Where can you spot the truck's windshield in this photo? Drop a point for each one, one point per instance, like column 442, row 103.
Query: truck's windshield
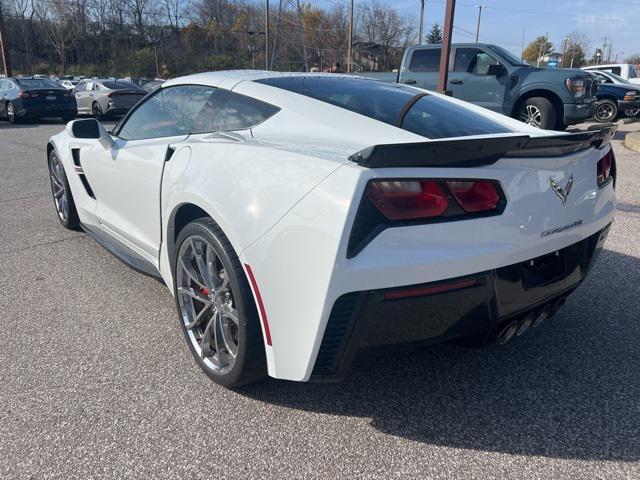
column 508, row 56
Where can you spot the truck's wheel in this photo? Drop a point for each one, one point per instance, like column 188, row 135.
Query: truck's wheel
column 538, row 112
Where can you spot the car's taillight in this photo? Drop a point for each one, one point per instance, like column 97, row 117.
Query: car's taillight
column 475, row 196
column 407, row 199
column 24, row 95
column 414, row 201
column 604, row 168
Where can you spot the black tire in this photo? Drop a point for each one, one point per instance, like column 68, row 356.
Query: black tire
column 10, row 110
column 70, row 220
column 97, row 112
column 250, row 361
column 539, row 112
column 606, row 111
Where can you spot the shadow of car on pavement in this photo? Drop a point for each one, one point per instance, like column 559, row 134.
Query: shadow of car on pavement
column 567, row 389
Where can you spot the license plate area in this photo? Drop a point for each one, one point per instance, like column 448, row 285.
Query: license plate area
column 544, row 270
column 51, row 98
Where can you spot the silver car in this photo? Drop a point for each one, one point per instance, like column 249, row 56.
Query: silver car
column 102, row 98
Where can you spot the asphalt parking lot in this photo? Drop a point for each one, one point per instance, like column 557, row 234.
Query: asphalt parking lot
column 96, row 380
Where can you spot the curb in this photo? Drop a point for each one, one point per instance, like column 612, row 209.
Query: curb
column 632, row 141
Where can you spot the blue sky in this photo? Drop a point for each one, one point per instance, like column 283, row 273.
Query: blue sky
column 503, row 21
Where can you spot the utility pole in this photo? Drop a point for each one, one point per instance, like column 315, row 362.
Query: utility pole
column 266, row 34
column 350, row 49
column 564, row 51
column 522, row 53
column 542, row 46
column 604, row 49
column 609, row 54
column 421, row 22
column 446, row 46
column 3, row 47
column 479, row 7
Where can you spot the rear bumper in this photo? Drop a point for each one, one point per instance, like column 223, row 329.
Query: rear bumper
column 477, row 305
column 31, row 109
column 578, row 112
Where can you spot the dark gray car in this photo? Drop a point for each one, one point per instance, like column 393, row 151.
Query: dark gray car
column 102, row 98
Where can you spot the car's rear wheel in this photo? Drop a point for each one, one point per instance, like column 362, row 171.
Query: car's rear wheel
column 538, row 112
column 62, row 197
column 96, row 109
column 606, row 111
column 12, row 116
column 217, row 311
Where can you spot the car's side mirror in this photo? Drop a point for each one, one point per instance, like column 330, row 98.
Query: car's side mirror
column 89, row 129
column 496, row 70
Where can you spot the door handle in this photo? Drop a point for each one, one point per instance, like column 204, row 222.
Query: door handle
column 456, row 82
column 410, row 81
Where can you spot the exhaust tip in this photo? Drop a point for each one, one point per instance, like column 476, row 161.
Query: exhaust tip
column 526, row 323
column 507, row 333
column 545, row 313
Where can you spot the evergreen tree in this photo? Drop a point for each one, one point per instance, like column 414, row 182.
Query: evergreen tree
column 435, row 35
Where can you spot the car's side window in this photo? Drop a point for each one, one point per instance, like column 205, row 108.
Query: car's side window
column 168, row 112
column 425, row 60
column 225, row 110
column 80, row 87
column 4, row 85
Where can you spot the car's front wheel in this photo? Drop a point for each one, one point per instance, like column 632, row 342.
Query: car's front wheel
column 606, row 111
column 62, row 197
column 217, row 311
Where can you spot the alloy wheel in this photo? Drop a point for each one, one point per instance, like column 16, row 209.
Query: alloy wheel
column 97, row 111
column 56, row 172
column 531, row 115
column 633, row 112
column 207, row 304
column 11, row 113
column 605, row 112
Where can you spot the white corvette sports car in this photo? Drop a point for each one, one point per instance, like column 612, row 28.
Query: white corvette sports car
column 301, row 218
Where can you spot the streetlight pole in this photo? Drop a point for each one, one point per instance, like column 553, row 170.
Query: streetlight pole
column 443, row 76
column 420, row 35
column 479, row 7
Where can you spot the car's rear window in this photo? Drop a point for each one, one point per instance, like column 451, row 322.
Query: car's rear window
column 118, row 85
column 429, row 116
column 37, row 83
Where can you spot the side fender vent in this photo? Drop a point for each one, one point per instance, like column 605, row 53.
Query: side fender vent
column 77, row 166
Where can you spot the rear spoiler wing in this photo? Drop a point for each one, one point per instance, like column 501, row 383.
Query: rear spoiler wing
column 477, row 152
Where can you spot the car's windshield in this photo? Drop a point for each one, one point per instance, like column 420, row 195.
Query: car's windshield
column 419, row 112
column 119, row 85
column 509, row 57
column 618, row 78
column 37, row 83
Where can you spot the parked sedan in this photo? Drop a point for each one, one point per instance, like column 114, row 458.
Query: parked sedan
column 102, row 98
column 31, row 98
column 615, row 98
column 299, row 218
column 612, row 78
